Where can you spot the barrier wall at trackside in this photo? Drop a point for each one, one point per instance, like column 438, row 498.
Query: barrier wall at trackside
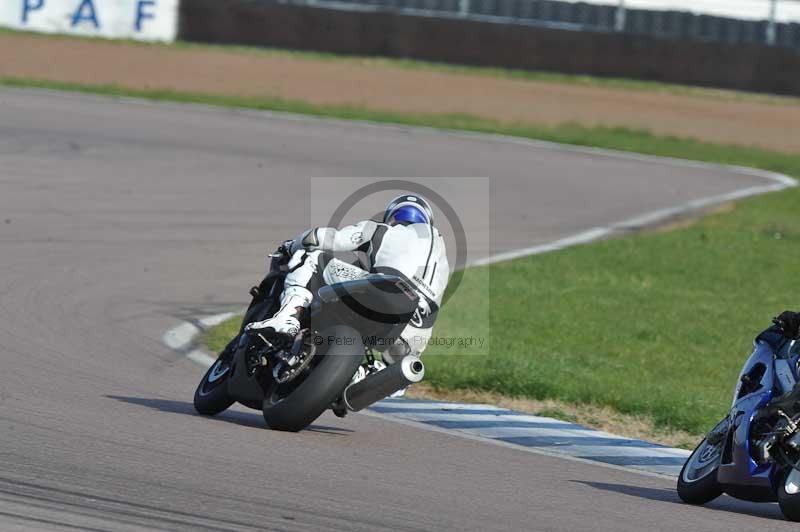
column 746, row 67
column 145, row 20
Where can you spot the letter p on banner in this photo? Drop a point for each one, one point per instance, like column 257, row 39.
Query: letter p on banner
column 28, row 6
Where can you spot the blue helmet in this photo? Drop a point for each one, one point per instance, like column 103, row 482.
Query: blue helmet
column 408, row 209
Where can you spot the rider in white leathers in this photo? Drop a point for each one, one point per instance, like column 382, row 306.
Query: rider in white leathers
column 406, row 243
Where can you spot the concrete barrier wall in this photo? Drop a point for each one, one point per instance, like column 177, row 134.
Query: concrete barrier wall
column 671, row 19
column 745, row 67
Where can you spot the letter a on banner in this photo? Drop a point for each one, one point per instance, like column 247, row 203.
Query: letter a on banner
column 85, row 11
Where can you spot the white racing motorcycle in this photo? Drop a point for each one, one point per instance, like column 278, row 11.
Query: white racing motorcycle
column 294, row 380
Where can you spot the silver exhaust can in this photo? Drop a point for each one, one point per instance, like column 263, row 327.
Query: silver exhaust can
column 383, row 383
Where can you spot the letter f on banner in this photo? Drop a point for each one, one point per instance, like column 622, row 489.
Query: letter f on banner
column 85, row 11
column 141, row 14
column 28, row 6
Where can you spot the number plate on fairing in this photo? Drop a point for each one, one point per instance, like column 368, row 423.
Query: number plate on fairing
column 786, row 378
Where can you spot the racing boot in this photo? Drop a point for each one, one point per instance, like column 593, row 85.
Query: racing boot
column 294, row 300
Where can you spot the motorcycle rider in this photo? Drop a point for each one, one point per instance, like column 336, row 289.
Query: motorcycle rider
column 405, row 243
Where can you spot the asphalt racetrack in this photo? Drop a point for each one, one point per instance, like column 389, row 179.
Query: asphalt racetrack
column 118, row 219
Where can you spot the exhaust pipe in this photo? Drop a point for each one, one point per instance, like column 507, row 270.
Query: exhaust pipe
column 383, row 383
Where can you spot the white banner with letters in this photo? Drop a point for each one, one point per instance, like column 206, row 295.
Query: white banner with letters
column 146, row 20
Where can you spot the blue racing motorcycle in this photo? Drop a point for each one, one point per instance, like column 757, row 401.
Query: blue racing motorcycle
column 754, row 452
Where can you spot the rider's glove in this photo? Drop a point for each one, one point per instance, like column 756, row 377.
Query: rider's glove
column 286, row 248
column 789, row 323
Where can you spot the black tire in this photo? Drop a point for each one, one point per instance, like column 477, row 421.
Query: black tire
column 790, row 502
column 315, row 394
column 694, row 488
column 211, row 396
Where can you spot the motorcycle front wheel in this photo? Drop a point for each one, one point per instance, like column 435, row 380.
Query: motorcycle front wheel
column 697, row 483
column 295, row 410
column 789, row 494
column 211, row 396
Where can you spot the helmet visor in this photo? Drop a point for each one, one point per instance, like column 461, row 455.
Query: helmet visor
column 408, row 214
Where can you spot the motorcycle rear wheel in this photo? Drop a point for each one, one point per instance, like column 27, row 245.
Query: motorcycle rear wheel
column 327, row 380
column 697, row 483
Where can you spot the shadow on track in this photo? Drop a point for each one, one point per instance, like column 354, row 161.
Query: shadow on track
column 229, row 416
column 723, row 504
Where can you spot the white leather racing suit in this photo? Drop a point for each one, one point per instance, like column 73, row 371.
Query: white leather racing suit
column 415, row 251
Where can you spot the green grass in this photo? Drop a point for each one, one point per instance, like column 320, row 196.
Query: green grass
column 217, row 337
column 415, row 64
column 655, row 324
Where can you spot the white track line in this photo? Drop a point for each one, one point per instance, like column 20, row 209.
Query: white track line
column 180, row 337
column 201, row 357
column 779, row 182
column 183, row 337
column 214, row 320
